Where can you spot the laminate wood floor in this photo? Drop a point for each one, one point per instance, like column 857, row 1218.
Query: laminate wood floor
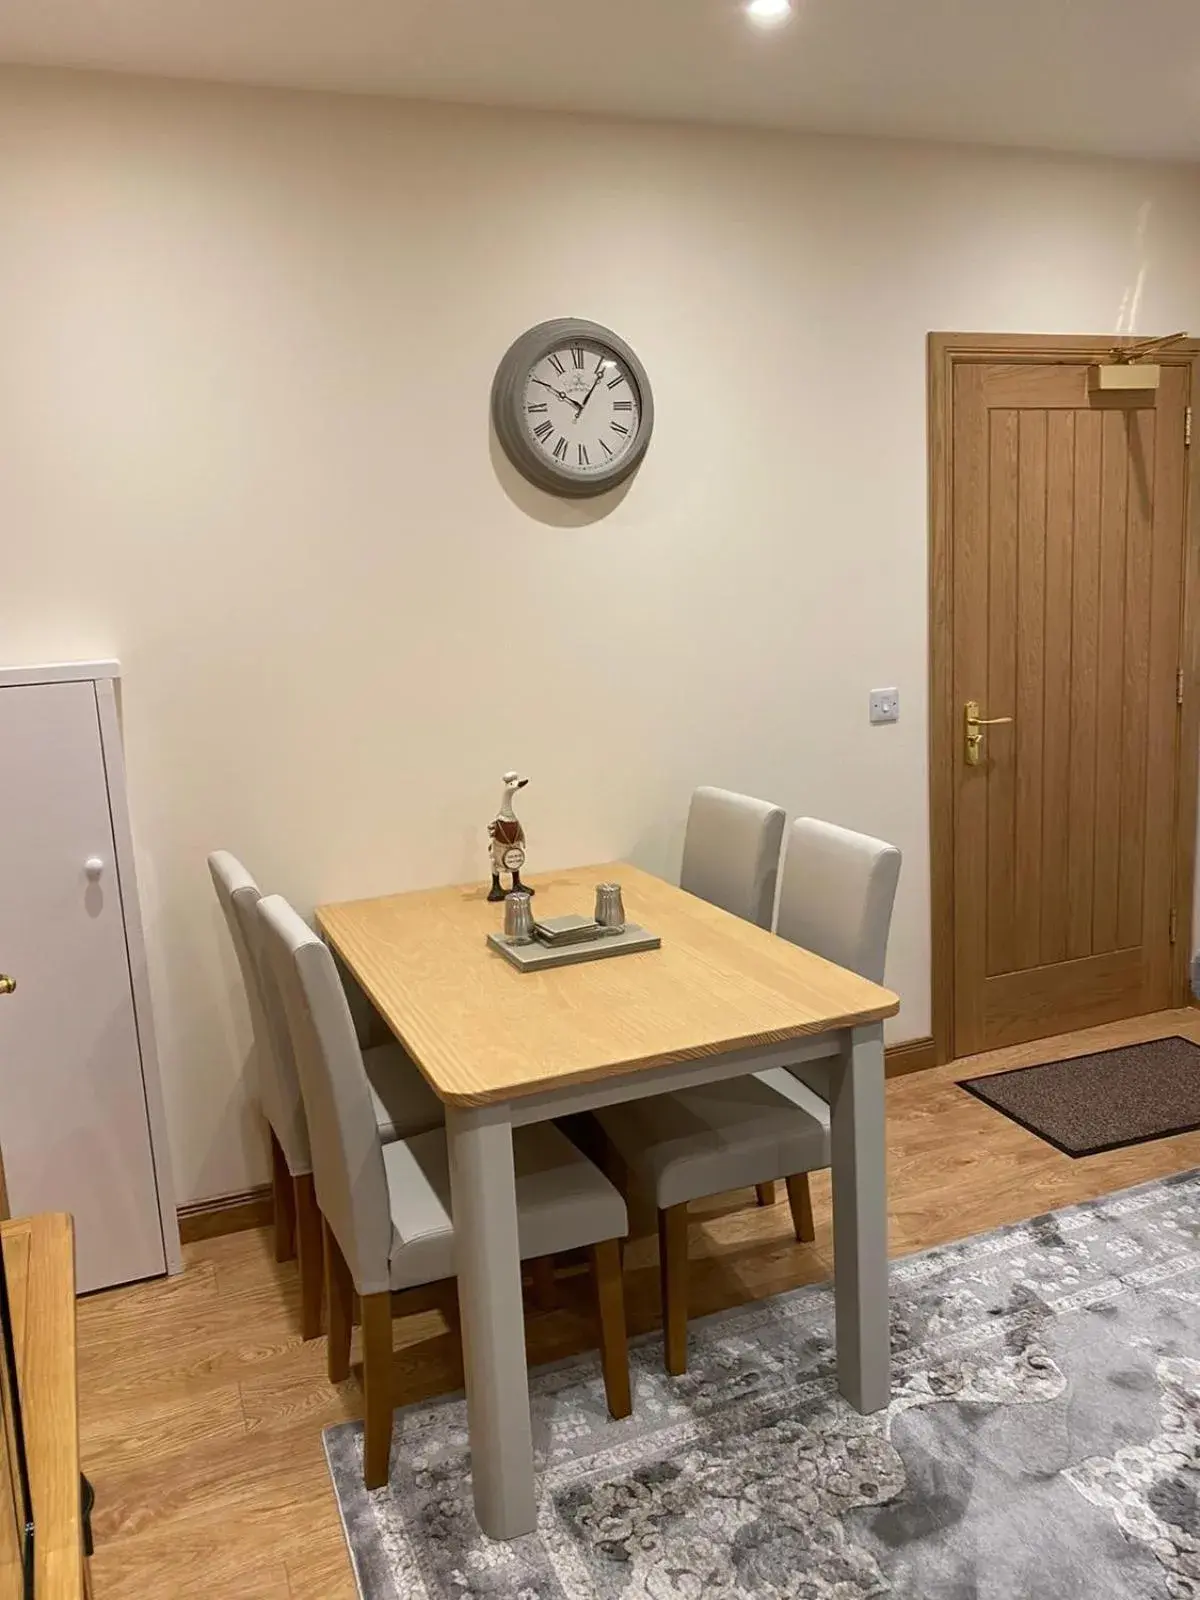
column 202, row 1411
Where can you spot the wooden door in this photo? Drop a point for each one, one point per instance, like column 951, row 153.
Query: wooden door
column 73, row 1114
column 1068, row 520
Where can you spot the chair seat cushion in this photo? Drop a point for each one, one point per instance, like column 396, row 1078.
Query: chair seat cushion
column 404, row 1102
column 722, row 1136
column 563, row 1201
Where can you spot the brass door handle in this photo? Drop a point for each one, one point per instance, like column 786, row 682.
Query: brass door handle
column 975, row 726
column 7, row 984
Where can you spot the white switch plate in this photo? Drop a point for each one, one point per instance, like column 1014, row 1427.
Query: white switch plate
column 885, row 705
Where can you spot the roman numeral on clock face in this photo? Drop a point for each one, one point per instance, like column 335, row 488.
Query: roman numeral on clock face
column 560, row 450
column 543, row 431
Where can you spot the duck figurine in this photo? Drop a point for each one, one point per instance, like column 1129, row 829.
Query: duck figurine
column 507, row 841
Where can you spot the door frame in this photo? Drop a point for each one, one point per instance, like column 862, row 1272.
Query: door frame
column 945, row 352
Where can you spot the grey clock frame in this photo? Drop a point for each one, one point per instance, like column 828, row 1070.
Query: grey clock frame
column 508, row 408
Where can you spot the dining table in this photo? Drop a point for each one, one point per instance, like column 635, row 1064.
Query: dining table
column 503, row 1048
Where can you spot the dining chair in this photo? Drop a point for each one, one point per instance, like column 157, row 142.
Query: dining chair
column 386, row 1208
column 731, row 853
column 403, row 1103
column 731, row 859
column 836, row 899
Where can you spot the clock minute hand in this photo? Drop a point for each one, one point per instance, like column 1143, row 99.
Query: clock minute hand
column 592, row 390
column 559, row 394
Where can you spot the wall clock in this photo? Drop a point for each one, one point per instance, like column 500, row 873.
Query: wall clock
column 572, row 407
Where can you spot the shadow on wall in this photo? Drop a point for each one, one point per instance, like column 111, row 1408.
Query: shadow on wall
column 659, row 849
column 551, row 510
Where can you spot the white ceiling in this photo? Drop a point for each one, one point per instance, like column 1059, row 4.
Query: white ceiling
column 1117, row 76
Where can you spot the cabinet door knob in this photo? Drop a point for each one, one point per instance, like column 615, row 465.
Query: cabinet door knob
column 93, row 866
column 7, row 984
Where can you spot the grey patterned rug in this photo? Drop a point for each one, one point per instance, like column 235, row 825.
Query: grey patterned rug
column 1043, row 1443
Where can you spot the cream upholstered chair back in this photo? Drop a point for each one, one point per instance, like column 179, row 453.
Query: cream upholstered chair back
column 348, row 1169
column 837, row 895
column 731, row 853
column 278, row 1086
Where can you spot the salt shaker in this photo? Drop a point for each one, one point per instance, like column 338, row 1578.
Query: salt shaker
column 518, row 917
column 610, row 908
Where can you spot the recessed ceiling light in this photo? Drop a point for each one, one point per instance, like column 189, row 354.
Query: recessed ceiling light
column 768, row 13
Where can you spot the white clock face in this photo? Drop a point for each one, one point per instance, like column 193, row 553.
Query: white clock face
column 582, row 409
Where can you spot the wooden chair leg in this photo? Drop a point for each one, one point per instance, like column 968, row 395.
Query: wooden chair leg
column 800, row 1200
column 766, row 1194
column 311, row 1253
column 284, row 1203
column 377, row 1388
column 545, row 1289
column 339, row 1298
column 614, row 1338
column 673, row 1263
column 452, row 1311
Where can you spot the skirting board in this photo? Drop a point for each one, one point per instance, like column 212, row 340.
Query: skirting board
column 914, row 1055
column 229, row 1213
column 235, row 1213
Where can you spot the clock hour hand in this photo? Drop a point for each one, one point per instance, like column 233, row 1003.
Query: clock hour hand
column 560, row 395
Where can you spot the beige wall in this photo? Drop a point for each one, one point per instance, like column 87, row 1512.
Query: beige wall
column 246, row 341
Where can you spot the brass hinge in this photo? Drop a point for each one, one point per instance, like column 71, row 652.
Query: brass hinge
column 1187, row 428
column 1174, row 924
column 1178, row 686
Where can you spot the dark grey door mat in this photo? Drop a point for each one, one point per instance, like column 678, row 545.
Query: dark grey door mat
column 1103, row 1101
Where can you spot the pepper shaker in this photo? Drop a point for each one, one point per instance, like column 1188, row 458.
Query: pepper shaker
column 610, row 908
column 518, row 917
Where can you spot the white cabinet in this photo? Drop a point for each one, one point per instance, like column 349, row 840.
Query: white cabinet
column 81, row 1124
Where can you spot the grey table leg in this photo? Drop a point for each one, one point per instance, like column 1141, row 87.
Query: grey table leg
column 489, row 1288
column 860, row 1220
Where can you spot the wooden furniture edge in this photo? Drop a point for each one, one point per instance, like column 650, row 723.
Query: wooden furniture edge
column 238, row 1213
column 47, row 1371
column 672, row 1058
column 943, row 350
column 226, row 1213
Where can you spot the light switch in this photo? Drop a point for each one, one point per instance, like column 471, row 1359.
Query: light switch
column 885, row 705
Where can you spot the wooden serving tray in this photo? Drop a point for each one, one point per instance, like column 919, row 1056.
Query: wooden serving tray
column 539, row 957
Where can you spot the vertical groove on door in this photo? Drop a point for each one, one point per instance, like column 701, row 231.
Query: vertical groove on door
column 1085, row 606
column 1110, row 677
column 969, row 576
column 1139, row 525
column 1026, row 747
column 1056, row 716
column 1004, row 476
column 1162, row 760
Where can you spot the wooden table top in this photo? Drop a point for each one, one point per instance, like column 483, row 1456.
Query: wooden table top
column 39, row 1263
column 482, row 1031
